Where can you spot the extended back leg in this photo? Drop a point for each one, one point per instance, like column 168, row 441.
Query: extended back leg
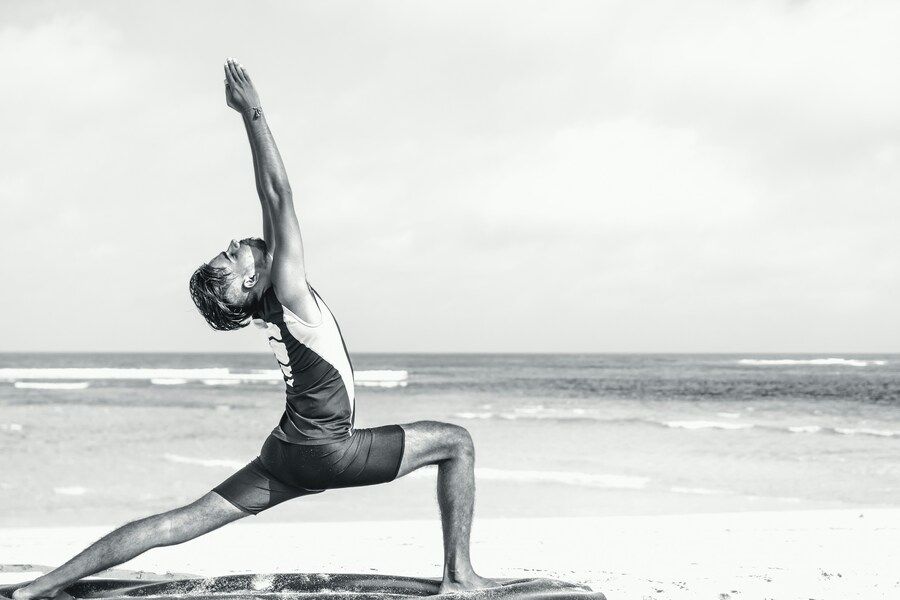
column 165, row 529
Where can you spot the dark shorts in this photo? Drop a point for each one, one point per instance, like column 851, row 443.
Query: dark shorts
column 284, row 471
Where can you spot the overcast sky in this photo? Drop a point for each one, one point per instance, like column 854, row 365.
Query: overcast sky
column 469, row 176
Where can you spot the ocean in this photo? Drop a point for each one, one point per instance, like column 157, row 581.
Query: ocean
column 105, row 438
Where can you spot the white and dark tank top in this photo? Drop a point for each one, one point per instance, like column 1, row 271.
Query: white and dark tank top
column 318, row 375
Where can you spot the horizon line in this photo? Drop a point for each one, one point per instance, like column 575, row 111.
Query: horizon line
column 474, row 352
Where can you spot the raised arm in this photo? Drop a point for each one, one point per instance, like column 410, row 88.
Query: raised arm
column 281, row 229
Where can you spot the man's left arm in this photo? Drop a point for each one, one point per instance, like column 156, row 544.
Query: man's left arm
column 283, row 235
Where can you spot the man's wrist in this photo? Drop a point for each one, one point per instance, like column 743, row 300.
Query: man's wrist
column 252, row 113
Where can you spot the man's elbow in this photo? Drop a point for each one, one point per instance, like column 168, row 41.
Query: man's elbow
column 278, row 194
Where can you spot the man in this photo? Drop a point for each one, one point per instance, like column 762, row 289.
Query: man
column 315, row 446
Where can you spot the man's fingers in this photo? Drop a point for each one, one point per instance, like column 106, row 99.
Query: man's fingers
column 239, row 71
column 244, row 74
column 229, row 78
column 234, row 72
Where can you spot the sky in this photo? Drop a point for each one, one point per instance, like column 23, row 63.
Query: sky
column 699, row 176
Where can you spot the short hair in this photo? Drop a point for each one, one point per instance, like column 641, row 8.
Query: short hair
column 208, row 285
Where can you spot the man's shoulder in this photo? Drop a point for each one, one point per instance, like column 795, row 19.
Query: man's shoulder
column 300, row 304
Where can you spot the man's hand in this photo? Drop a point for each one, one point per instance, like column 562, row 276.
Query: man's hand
column 239, row 91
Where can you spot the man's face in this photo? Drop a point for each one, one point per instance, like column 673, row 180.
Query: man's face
column 240, row 260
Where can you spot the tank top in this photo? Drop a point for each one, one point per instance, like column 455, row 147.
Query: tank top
column 318, row 375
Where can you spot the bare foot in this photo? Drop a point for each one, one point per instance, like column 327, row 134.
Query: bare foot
column 465, row 584
column 23, row 593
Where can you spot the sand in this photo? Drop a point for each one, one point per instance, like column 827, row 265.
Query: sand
column 838, row 554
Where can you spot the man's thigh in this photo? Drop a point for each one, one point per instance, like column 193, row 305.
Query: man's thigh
column 430, row 442
column 254, row 488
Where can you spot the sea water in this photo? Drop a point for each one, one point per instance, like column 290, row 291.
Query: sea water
column 101, row 438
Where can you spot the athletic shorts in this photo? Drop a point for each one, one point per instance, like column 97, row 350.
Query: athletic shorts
column 284, row 471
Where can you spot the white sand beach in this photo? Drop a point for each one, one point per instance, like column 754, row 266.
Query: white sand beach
column 821, row 554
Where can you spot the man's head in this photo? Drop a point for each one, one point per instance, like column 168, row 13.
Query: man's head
column 227, row 289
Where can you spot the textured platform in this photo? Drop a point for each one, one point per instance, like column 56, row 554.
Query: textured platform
column 317, row 586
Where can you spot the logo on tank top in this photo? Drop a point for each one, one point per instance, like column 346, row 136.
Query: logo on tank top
column 281, row 355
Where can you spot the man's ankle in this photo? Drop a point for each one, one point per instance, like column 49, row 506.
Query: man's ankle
column 458, row 573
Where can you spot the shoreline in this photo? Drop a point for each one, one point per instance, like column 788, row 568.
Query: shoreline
column 843, row 553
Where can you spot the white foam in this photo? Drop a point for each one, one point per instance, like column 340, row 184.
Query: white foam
column 529, row 413
column 70, row 491
column 805, row 429
column 379, row 378
column 383, row 384
column 168, row 381
column 698, row 491
column 603, row 480
column 867, row 431
column 262, row 583
column 848, row 362
column 221, row 382
column 10, row 427
column 706, row 425
column 595, row 480
column 51, row 385
column 728, row 415
column 474, row 415
column 205, row 462
column 91, row 373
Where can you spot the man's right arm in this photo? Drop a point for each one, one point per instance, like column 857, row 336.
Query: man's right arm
column 281, row 230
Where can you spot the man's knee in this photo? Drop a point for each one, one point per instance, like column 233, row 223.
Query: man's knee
column 434, row 442
column 460, row 441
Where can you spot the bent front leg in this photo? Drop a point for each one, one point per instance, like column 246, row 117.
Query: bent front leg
column 450, row 447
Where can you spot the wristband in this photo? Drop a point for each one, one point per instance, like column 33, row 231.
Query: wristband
column 255, row 114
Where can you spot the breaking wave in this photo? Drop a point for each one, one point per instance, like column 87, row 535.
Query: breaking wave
column 206, row 462
column 75, row 490
column 381, row 378
column 846, row 362
column 570, row 415
column 168, row 381
column 706, row 425
column 805, row 429
column 593, row 480
column 209, row 376
column 699, row 491
column 867, row 431
column 51, row 385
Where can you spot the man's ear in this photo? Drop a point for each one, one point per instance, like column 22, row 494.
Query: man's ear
column 250, row 281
